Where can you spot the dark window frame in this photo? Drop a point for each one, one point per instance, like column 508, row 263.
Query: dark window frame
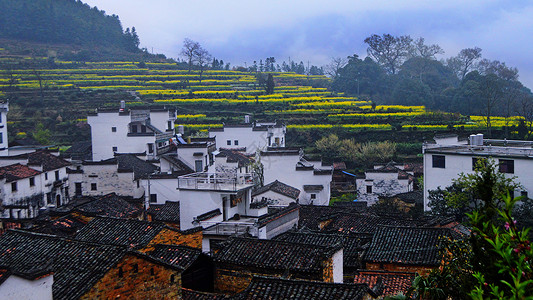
column 94, row 187
column 438, row 161
column 32, row 181
column 113, row 129
column 506, row 166
column 369, row 189
column 14, row 187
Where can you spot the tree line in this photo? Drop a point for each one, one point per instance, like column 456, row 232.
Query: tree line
column 403, row 70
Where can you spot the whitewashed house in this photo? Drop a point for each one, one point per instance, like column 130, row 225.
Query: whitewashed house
column 446, row 158
column 276, row 193
column 36, row 285
column 21, row 192
column 135, row 130
column 4, row 108
column 53, row 178
column 250, row 137
column 120, row 175
column 289, row 166
column 383, row 181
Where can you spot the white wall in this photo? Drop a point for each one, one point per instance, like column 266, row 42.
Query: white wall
column 3, row 128
column 187, row 154
column 274, row 198
column 197, row 202
column 24, row 190
column 246, row 137
column 338, row 270
column 283, row 168
column 383, row 184
column 456, row 164
column 107, row 180
column 16, row 287
column 166, row 189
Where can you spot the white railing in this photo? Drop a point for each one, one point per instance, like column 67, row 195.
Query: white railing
column 217, row 181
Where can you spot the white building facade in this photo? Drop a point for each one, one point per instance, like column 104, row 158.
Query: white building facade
column 250, row 137
column 4, row 108
column 137, row 130
column 444, row 162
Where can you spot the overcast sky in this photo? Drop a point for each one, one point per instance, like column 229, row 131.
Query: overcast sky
column 306, row 30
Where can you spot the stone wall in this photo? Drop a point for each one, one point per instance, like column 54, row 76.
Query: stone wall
column 137, row 278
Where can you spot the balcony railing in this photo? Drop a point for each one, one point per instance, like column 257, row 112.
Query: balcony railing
column 230, row 228
column 217, row 181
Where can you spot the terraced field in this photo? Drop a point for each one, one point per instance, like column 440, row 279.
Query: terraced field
column 210, row 98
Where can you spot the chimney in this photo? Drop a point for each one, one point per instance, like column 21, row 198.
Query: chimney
column 122, row 105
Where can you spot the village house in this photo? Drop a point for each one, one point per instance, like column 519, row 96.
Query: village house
column 84, row 270
column 243, row 258
column 276, row 193
column 281, row 288
column 289, row 166
column 250, row 137
column 120, row 174
column 448, row 156
column 405, row 249
column 135, row 130
column 4, row 108
column 21, row 192
column 383, row 181
column 35, row 284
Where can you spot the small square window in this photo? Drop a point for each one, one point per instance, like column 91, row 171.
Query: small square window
column 32, row 181
column 369, row 189
column 93, row 187
column 153, row 198
column 14, row 186
column 113, row 129
column 236, row 142
column 506, row 166
column 439, row 161
column 228, row 142
column 313, row 196
column 115, row 149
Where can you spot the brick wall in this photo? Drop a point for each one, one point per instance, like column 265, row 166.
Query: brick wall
column 169, row 236
column 422, row 270
column 327, row 270
column 137, row 278
column 232, row 281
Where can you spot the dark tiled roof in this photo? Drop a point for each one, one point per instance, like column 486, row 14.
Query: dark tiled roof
column 48, row 161
column 196, row 295
column 339, row 166
column 131, row 163
column 17, row 172
column 362, row 223
column 278, row 187
column 168, row 212
column 278, row 213
column 233, row 156
column 390, row 283
column 357, row 205
column 111, row 231
column 183, row 168
column 273, row 254
column 109, row 205
column 180, row 256
column 406, row 245
column 281, row 289
column 77, row 266
column 310, row 215
column 208, row 215
column 66, row 226
column 27, row 141
column 79, row 151
column 313, row 187
column 409, row 197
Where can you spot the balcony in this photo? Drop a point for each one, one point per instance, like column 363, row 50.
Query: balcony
column 229, row 228
column 232, row 182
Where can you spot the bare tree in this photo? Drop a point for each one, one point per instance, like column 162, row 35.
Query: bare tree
column 202, row 59
column 420, row 49
column 525, row 110
column 389, row 51
column 491, row 91
column 498, row 68
column 334, row 67
column 189, row 50
column 464, row 62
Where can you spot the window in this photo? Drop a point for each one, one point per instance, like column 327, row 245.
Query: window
column 369, row 189
column 133, row 128
column 150, row 148
column 45, row 176
column 478, row 161
column 49, row 198
column 14, row 186
column 228, row 142
column 153, row 198
column 57, row 175
column 32, row 181
column 439, row 161
column 138, row 184
column 313, row 196
column 93, row 187
column 115, row 149
column 507, row 166
column 143, row 129
column 77, row 188
column 113, row 129
column 169, row 125
column 198, row 165
column 1, row 138
column 236, row 142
